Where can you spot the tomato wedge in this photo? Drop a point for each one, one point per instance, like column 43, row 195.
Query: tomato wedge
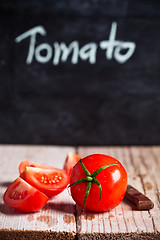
column 70, row 162
column 22, row 196
column 49, row 181
column 27, row 163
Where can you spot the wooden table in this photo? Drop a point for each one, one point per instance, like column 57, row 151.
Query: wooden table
column 61, row 218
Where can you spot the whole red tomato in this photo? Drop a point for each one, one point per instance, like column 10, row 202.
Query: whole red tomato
column 98, row 182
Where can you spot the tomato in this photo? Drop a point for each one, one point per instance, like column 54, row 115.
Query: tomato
column 27, row 163
column 70, row 162
column 98, row 182
column 49, row 181
column 22, row 196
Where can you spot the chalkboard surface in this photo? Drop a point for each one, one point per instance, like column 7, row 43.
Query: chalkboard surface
column 80, row 72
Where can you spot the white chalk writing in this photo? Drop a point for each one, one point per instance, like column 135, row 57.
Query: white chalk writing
column 60, row 52
column 112, row 44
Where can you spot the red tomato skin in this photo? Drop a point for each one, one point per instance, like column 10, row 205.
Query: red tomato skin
column 34, row 175
column 27, row 163
column 113, row 181
column 70, row 162
column 33, row 201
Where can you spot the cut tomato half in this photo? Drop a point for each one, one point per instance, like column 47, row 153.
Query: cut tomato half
column 24, row 197
column 70, row 162
column 49, row 181
column 27, row 163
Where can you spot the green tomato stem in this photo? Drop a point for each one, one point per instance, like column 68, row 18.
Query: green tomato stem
column 89, row 184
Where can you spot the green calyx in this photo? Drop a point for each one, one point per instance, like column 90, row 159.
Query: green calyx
column 90, row 179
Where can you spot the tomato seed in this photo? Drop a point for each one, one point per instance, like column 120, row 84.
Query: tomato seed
column 51, row 179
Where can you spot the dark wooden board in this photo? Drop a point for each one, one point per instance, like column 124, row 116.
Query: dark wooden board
column 107, row 102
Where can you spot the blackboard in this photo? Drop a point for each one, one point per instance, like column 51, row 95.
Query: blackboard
column 80, row 72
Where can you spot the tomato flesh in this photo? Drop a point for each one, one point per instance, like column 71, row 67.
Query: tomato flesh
column 22, row 196
column 113, row 181
column 70, row 162
column 27, row 163
column 49, row 181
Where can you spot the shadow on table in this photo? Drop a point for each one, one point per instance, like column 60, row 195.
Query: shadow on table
column 60, row 207
column 5, row 184
column 10, row 211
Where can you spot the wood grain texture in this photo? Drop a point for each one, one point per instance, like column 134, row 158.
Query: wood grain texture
column 62, row 219
column 56, row 219
column 125, row 221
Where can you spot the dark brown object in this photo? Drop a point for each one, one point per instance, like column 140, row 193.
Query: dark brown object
column 140, row 200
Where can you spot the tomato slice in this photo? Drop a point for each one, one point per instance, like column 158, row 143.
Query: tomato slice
column 27, row 163
column 22, row 196
column 70, row 162
column 49, row 181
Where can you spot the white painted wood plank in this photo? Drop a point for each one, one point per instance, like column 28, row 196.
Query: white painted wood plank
column 124, row 218
column 58, row 215
column 140, row 218
column 150, row 173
